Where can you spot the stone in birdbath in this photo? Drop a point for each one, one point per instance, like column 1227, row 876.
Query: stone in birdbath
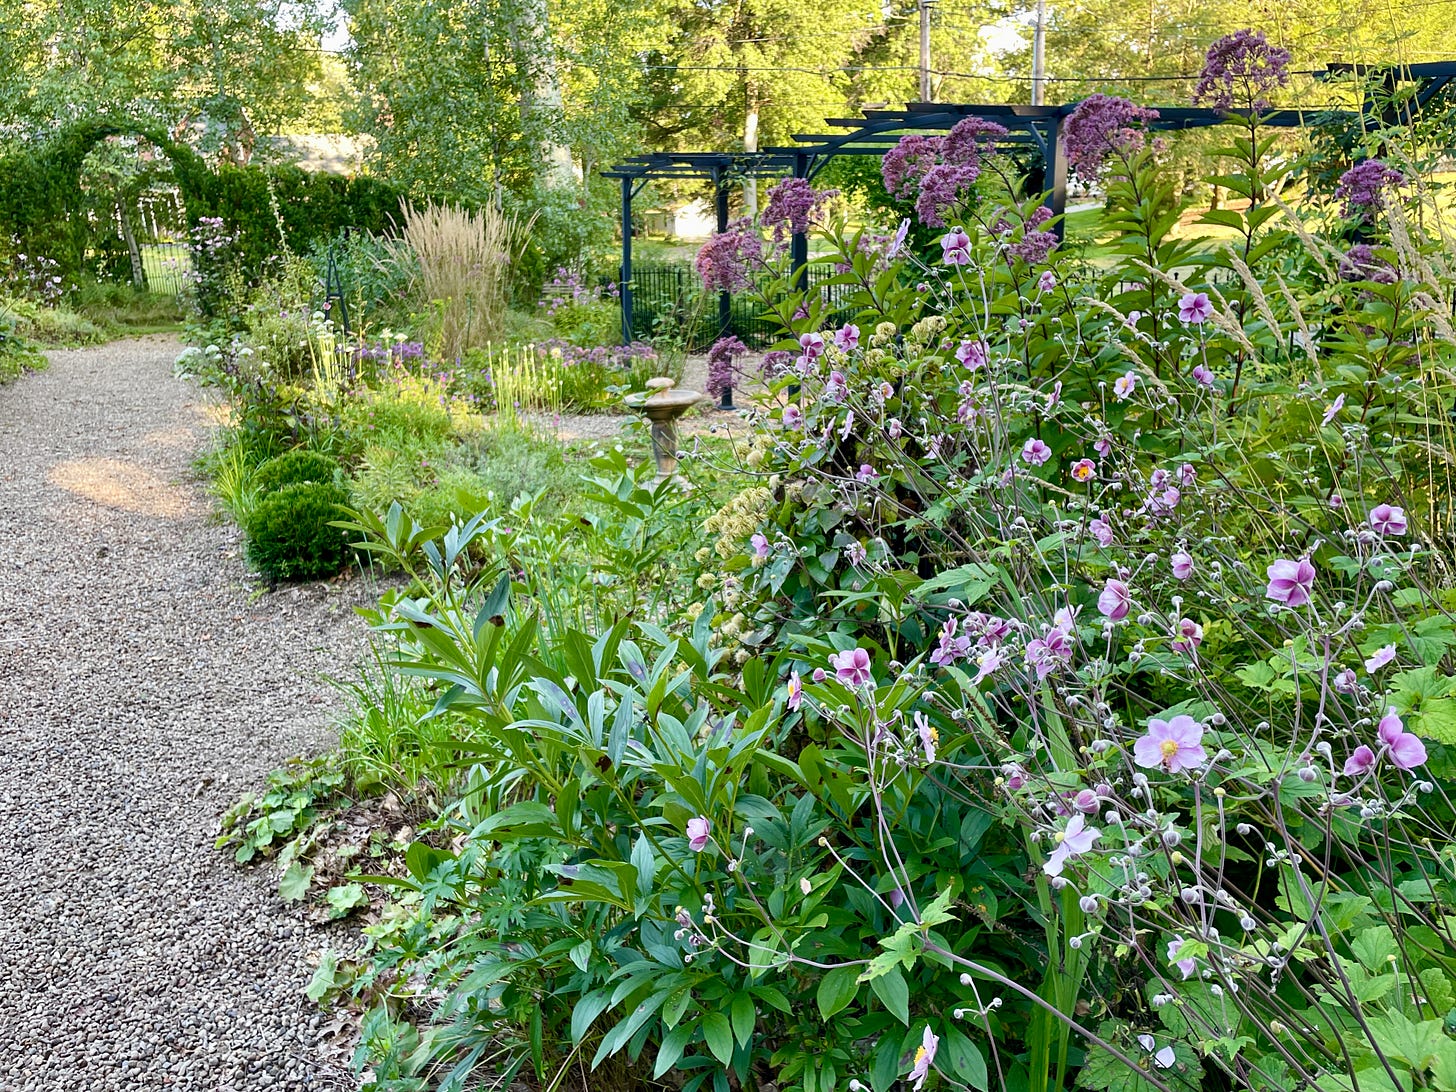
column 662, row 406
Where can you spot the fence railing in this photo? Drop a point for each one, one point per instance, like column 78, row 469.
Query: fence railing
column 669, row 300
column 165, row 266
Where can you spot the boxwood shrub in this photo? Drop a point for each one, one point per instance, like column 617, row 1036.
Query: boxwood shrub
column 293, row 468
column 289, row 532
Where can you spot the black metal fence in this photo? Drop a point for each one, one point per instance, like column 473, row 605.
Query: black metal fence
column 669, row 301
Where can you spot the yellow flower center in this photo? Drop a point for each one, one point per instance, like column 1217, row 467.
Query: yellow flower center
column 1169, row 747
column 919, row 1055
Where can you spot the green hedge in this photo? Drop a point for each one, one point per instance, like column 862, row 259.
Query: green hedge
column 42, row 206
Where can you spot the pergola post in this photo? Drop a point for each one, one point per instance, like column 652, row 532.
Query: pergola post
column 624, row 281
column 799, row 244
column 720, row 205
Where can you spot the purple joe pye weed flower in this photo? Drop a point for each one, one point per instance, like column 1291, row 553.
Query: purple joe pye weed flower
column 793, row 205
column 1100, row 127
column 1365, row 188
column 1240, row 71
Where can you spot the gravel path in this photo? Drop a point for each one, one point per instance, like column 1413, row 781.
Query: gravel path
column 144, row 684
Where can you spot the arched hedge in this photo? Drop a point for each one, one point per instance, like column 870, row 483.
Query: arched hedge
column 42, row 205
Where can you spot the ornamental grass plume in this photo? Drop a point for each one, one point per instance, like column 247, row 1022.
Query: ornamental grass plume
column 465, row 260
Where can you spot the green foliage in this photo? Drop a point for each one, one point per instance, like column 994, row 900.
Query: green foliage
column 294, row 799
column 289, row 531
column 293, row 468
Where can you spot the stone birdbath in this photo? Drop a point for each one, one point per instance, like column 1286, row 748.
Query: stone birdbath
column 662, row 404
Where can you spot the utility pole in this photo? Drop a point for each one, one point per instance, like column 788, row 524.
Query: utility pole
column 1038, row 57
column 924, row 7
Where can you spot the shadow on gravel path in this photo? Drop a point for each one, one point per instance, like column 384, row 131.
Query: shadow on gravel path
column 142, row 688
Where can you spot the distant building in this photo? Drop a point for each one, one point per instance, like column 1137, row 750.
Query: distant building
column 322, row 153
column 685, row 220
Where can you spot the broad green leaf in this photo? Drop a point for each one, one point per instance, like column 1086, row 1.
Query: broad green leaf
column 718, row 1034
column 837, row 990
column 294, row 885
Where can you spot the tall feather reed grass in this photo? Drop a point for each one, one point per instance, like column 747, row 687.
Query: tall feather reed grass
column 465, row 261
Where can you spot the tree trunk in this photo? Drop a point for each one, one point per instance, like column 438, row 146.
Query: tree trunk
column 138, row 271
column 750, row 144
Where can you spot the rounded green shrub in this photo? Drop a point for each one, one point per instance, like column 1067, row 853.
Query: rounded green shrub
column 293, row 468
column 289, row 537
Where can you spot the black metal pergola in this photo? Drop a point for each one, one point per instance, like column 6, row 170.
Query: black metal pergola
column 1035, row 128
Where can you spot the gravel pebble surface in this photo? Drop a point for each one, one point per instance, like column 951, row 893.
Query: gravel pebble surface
column 145, row 683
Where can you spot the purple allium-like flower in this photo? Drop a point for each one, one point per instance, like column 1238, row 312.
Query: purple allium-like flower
column 1379, row 658
column 1187, row 637
column 1386, row 519
column 924, row 1058
column 1175, row 745
column 699, row 829
column 852, row 667
column 1182, row 563
column 1100, row 126
column 1124, row 386
column 1290, row 582
column 727, row 259
column 972, row 354
column 793, row 204
column 720, row 363
column 1240, row 71
column 1361, row 263
column 1115, row 601
column 1187, row 966
column 1333, row 409
column 796, row 692
column 1194, row 308
column 1072, row 842
column 846, row 337
column 1361, row 761
column 1363, row 187
column 955, row 247
column 944, row 186
column 1035, row 452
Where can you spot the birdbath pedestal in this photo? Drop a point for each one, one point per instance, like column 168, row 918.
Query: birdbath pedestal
column 662, row 405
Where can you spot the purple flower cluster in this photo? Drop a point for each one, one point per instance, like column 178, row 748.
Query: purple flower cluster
column 1101, row 126
column 794, row 204
column 394, row 352
column 1241, row 70
column 941, row 169
column 727, row 260
column 1360, row 263
column 720, row 364
column 1363, row 187
column 618, row 357
column 1035, row 245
